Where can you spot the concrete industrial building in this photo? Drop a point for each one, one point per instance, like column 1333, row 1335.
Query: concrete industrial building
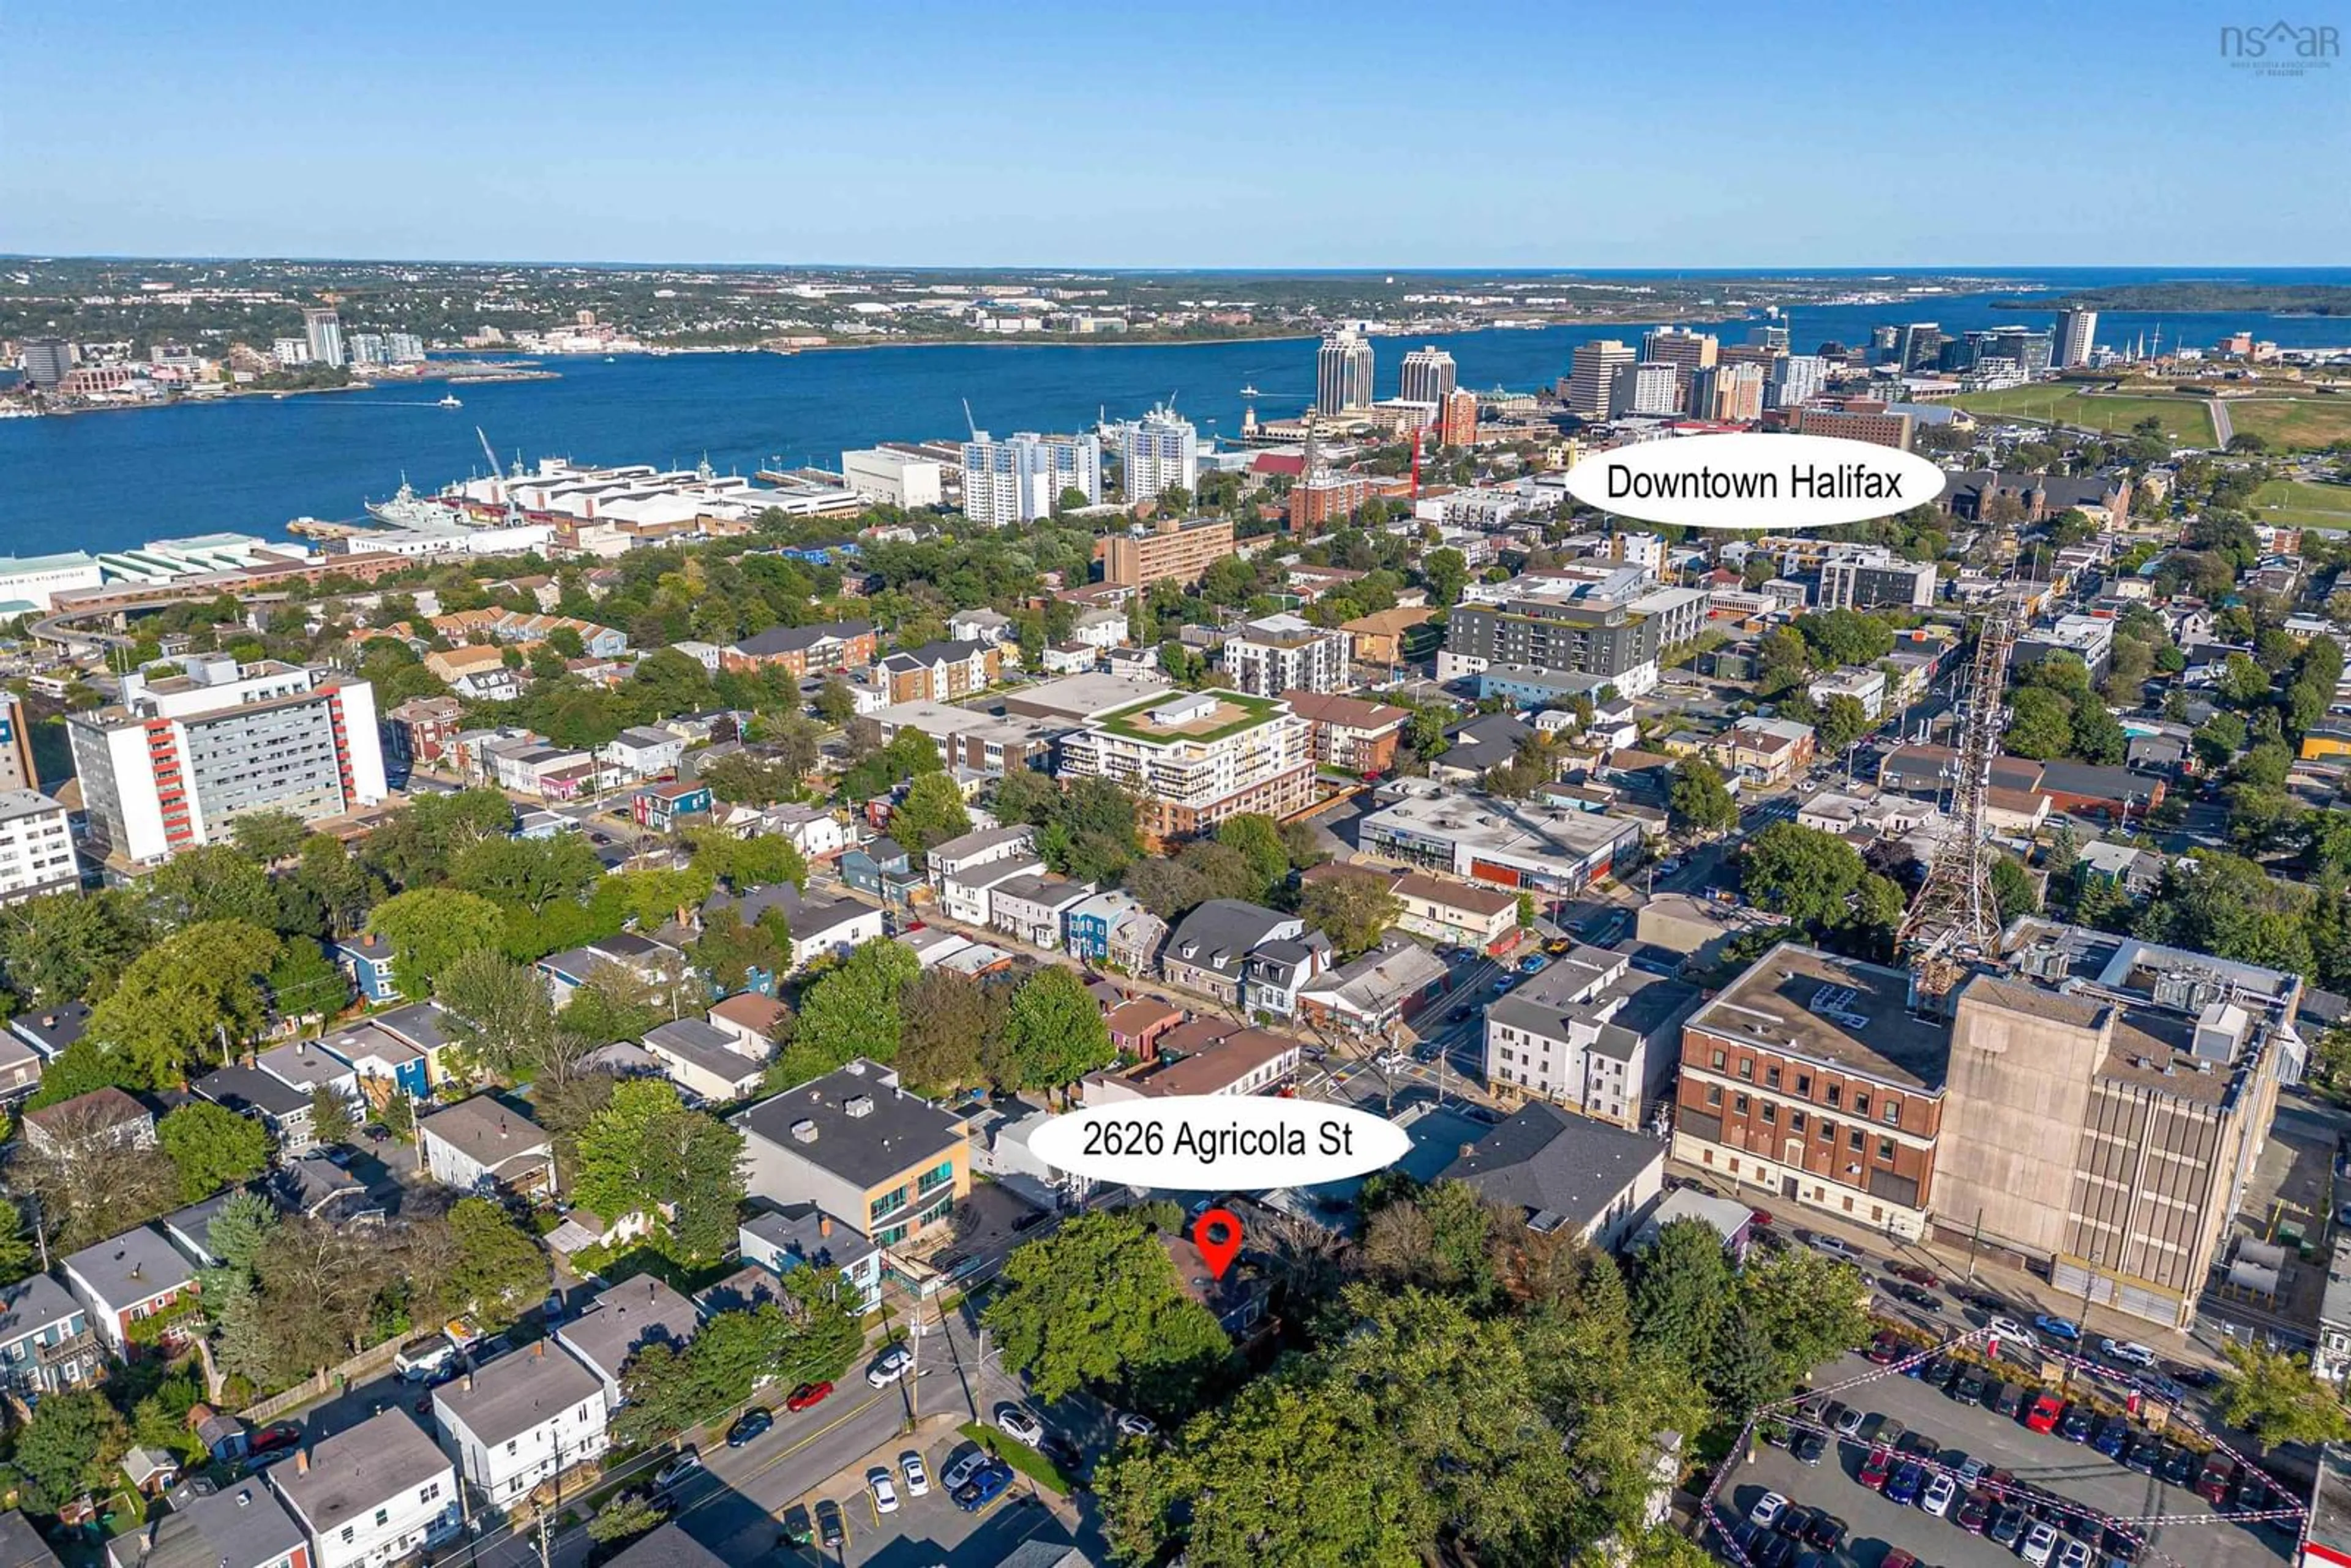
column 903, row 479
column 1197, row 758
column 180, row 757
column 1553, row 853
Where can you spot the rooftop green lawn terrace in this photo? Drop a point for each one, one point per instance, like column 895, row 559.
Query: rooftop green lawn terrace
column 1256, row 711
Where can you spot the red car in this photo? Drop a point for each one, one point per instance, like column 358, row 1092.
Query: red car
column 1760, row 1216
column 1898, row 1558
column 2044, row 1414
column 269, row 1439
column 1875, row 1469
column 1885, row 1350
column 1915, row 1275
column 807, row 1394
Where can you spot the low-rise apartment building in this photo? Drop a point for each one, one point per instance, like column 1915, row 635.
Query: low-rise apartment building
column 1197, row 758
column 1591, row 1033
column 1285, row 653
column 1764, row 750
column 1811, row 1079
column 940, row 672
column 372, row 1494
column 521, row 1419
column 857, row 1144
column 1347, row 733
column 805, row 650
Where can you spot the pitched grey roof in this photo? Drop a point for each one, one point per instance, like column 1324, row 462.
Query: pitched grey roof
column 133, row 1266
column 626, row 1317
column 893, row 1131
column 1562, row 1169
column 21, row 1545
column 704, row 1045
column 192, row 1226
column 50, row 1030
column 32, row 1304
column 246, row 1090
column 356, row 1470
column 487, row 1129
column 667, row 1547
column 420, row 1023
column 1221, row 934
column 799, row 1228
column 504, row 1398
column 242, row 1525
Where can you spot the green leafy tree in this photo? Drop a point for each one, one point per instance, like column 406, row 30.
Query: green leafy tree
column 952, row 1022
column 932, row 814
column 65, row 946
column 1099, row 1304
column 1842, row 720
column 331, row 1121
column 2273, row 1395
column 1800, row 871
column 1256, row 839
column 2041, row 724
column 305, row 983
column 622, row 1520
column 1354, row 911
column 71, row 1446
column 2012, row 887
column 211, row 1147
column 179, row 1001
column 213, row 882
column 526, row 873
column 760, row 860
column 1053, row 1034
column 855, row 1010
column 645, row 1151
column 1683, row 1292
column 497, row 1270
column 1699, row 800
column 267, row 837
column 1806, row 1305
column 430, row 928
column 1446, row 572
column 1743, row 1368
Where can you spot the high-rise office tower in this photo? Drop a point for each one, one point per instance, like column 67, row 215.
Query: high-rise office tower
column 1732, row 394
column 1592, row 376
column 1342, row 371
column 1427, row 376
column 324, row 331
column 1156, row 451
column 1882, row 340
column 2075, row 335
column 1689, row 352
column 1920, row 343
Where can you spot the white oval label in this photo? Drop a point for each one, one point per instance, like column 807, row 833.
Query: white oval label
column 1219, row 1143
column 1753, row 480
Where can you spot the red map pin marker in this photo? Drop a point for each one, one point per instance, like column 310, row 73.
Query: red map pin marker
column 1217, row 1234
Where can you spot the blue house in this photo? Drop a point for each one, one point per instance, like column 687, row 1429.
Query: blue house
column 45, row 1344
column 366, row 959
column 659, row 806
column 783, row 1239
column 377, row 1054
column 882, row 871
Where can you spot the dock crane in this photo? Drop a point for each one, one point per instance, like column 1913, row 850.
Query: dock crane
column 503, row 492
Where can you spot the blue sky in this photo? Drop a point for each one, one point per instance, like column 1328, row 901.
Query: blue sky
column 1209, row 134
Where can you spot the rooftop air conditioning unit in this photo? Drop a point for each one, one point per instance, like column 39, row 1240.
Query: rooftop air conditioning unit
column 862, row 1105
column 804, row 1131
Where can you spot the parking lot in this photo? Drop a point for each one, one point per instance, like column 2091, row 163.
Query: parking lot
column 929, row 1529
column 2073, row 1473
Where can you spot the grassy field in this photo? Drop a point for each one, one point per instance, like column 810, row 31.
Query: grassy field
column 2300, row 504
column 2287, row 422
column 2185, row 420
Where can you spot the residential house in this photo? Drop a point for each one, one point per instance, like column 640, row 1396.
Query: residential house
column 882, row 870
column 109, row 1114
column 22, row 1546
column 1210, row 948
column 1460, row 912
column 1112, row 928
column 818, row 926
column 521, row 1419
column 940, row 672
column 242, row 1525
column 1481, row 744
column 1349, row 734
column 750, row 1022
column 366, row 959
column 134, row 1276
column 973, row 850
column 814, row 830
column 372, row 1494
column 666, row 1546
column 661, row 807
column 1370, row 996
column 51, row 1029
column 621, row 1321
column 274, row 1103
column 307, row 1066
column 703, row 1059
column 20, row 1070
column 970, row 894
column 482, row 1144
column 1135, row 1027
column 2132, row 867
column 1566, row 1173
column 855, row 1144
column 796, row 1235
column 1591, row 1033
column 1206, row 1056
column 190, row 1228
column 1408, row 634
column 1031, row 907
column 805, row 650
column 982, row 625
column 644, row 752
column 1764, row 750
column 46, row 1343
column 645, row 959
column 382, row 1062
column 316, row 1188
column 1238, row 1297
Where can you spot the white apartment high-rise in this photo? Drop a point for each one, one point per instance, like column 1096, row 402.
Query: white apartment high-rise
column 1019, row 479
column 36, row 847
column 1591, row 376
column 1647, row 387
column 323, row 330
column 1795, row 379
column 176, row 761
column 1156, row 452
column 1285, row 653
column 1342, row 371
column 1427, row 376
column 2075, row 334
column 15, row 745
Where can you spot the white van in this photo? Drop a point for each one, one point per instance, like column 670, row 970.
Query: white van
column 421, row 1358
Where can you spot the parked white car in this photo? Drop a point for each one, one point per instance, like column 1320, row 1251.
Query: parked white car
column 885, row 1495
column 896, row 1362
column 1767, row 1510
column 2128, row 1351
column 1939, row 1496
column 1019, row 1426
column 918, row 1480
column 2039, row 1544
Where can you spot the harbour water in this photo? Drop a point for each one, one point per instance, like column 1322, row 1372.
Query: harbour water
column 111, row 480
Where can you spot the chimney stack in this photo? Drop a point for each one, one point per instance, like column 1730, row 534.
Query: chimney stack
column 539, row 1348
column 824, row 1224
column 302, row 1461
column 469, row 1383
